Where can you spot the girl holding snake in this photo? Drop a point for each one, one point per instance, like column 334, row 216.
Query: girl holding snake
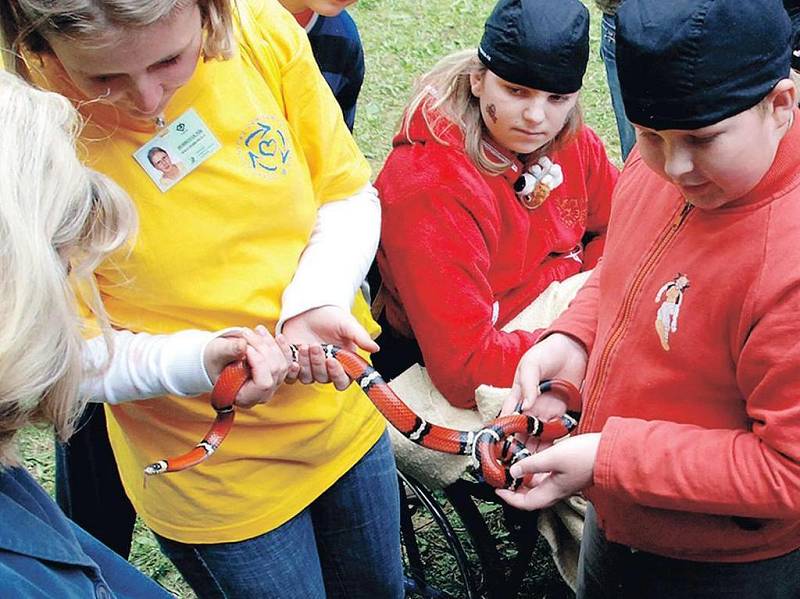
column 271, row 225
column 494, row 190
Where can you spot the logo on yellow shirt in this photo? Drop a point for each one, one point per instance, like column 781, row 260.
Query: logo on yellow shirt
column 265, row 147
column 667, row 315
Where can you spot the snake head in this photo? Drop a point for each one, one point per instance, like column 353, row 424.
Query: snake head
column 156, row 468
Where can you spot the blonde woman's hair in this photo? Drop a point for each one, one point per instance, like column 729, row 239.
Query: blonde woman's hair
column 54, row 212
column 26, row 24
column 444, row 95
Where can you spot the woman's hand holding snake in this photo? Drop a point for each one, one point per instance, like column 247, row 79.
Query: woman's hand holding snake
column 326, row 324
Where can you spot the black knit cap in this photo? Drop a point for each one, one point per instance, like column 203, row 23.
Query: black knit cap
column 543, row 44
column 793, row 8
column 686, row 64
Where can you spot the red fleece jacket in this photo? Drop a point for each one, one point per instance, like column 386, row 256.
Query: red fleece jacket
column 699, row 455
column 460, row 255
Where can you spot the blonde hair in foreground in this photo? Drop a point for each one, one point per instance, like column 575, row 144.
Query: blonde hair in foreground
column 53, row 212
column 446, row 90
column 26, row 24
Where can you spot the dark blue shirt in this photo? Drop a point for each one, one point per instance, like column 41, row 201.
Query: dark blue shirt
column 340, row 56
column 43, row 554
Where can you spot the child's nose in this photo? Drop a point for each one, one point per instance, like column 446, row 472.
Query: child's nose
column 678, row 162
column 534, row 111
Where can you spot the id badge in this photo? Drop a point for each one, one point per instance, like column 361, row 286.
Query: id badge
column 177, row 150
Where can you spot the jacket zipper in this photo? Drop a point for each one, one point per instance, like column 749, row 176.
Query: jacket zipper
column 627, row 308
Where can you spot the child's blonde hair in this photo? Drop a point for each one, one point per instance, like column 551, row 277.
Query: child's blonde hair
column 54, row 212
column 444, row 95
column 26, row 24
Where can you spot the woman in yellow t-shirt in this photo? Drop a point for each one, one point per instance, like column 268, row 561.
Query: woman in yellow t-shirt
column 274, row 221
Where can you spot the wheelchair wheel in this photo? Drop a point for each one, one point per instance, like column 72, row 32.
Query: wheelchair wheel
column 435, row 559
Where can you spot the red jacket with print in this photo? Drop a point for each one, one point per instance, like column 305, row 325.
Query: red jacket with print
column 460, row 255
column 694, row 372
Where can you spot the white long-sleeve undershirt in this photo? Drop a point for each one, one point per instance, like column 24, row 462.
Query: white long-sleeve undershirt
column 338, row 255
column 330, row 271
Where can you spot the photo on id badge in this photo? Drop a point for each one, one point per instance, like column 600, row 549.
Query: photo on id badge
column 177, row 150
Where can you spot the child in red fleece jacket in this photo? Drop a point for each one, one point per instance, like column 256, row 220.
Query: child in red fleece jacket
column 470, row 235
column 687, row 334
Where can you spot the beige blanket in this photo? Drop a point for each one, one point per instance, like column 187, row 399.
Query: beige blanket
column 560, row 525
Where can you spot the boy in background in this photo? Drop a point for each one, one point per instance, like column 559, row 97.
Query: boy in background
column 336, row 45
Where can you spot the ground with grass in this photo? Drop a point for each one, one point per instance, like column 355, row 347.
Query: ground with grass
column 402, row 39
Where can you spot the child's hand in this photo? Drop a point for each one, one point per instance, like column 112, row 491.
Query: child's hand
column 558, row 472
column 326, row 324
column 557, row 357
column 269, row 359
column 221, row 351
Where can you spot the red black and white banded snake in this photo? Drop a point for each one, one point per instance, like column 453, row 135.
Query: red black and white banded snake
column 494, row 447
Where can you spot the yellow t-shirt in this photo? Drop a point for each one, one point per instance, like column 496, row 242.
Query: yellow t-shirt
column 216, row 250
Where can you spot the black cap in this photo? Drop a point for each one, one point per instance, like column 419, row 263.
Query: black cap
column 686, row 64
column 543, row 44
column 793, row 8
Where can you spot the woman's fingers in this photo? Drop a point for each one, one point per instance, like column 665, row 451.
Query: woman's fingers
column 337, row 375
column 317, row 361
column 354, row 336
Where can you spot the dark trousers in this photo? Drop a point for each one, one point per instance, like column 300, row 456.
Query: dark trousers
column 88, row 487
column 608, row 570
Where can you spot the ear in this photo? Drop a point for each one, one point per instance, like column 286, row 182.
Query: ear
column 782, row 100
column 476, row 83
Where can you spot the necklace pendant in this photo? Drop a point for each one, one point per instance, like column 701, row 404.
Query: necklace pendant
column 533, row 200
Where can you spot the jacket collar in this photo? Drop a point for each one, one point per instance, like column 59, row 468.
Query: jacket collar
column 33, row 525
column 516, row 168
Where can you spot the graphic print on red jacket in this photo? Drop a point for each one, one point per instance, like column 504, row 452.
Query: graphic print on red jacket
column 460, row 255
column 699, row 456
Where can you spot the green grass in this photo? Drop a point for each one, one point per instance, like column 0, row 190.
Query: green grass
column 402, row 39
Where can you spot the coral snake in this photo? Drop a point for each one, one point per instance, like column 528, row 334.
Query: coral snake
column 494, row 448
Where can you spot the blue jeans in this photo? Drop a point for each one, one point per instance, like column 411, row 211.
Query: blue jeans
column 609, row 570
column 608, row 47
column 345, row 544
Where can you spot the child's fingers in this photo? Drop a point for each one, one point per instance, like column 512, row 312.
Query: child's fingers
column 292, row 358
column 529, row 388
column 547, row 407
column 513, row 401
column 540, row 462
column 270, row 364
column 230, row 349
column 285, row 348
column 274, row 357
column 541, row 496
column 292, row 373
column 220, row 352
column 261, row 385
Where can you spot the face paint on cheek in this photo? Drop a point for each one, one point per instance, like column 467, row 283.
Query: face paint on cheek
column 492, row 112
